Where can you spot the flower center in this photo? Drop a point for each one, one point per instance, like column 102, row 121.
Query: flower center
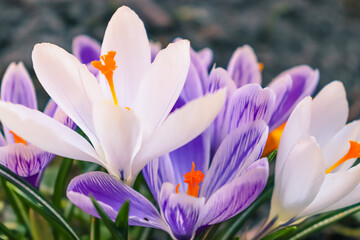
column 108, row 70
column 18, row 139
column 193, row 180
column 273, row 140
column 354, row 152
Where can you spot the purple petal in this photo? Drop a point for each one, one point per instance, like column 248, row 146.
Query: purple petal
column 158, row 171
column 2, row 140
column 304, row 82
column 201, row 69
column 282, row 88
column 206, row 55
column 50, row 108
column 237, row 195
column 239, row 149
column 111, row 193
column 61, row 117
column 180, row 211
column 17, row 87
column 197, row 151
column 193, row 87
column 248, row 104
column 23, row 160
column 155, row 49
column 35, row 179
column 219, row 78
column 86, row 49
column 243, row 67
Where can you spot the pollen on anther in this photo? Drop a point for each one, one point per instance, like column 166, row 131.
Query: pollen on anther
column 261, row 66
column 108, row 69
column 354, row 152
column 18, row 139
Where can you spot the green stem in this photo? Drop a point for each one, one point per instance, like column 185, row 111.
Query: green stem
column 95, row 229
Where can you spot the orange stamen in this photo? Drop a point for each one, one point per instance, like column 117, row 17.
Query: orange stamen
column 273, row 140
column 354, row 152
column 18, row 139
column 108, row 69
column 127, row 108
column 261, row 66
column 193, row 180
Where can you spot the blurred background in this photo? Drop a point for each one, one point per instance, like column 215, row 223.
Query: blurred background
column 321, row 33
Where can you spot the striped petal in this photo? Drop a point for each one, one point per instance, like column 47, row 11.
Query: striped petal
column 111, row 193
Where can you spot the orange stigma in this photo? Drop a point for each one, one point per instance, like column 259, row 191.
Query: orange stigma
column 108, row 69
column 354, row 152
column 193, row 180
column 18, row 139
column 273, row 140
column 261, row 66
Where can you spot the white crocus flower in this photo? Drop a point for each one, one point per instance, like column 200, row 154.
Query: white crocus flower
column 314, row 172
column 126, row 116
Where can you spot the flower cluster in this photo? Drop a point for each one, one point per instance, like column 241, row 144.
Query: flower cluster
column 199, row 136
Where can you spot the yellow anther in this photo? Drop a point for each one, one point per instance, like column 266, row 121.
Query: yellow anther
column 18, row 139
column 108, row 69
column 261, row 66
column 354, row 152
column 193, row 179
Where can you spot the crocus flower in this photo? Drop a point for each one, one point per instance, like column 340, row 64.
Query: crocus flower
column 290, row 87
column 211, row 195
column 126, row 114
column 20, row 156
column 314, row 167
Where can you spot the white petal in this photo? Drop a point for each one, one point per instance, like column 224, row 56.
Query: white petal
column 329, row 112
column 162, row 85
column 339, row 145
column 64, row 78
column 296, row 128
column 335, row 187
column 126, row 35
column 119, row 133
column 348, row 200
column 301, row 178
column 46, row 133
column 180, row 127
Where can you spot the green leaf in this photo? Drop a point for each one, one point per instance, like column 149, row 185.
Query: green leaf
column 271, row 157
column 95, row 229
column 281, row 234
column 40, row 229
column 116, row 234
column 60, row 182
column 16, row 205
column 7, row 232
column 321, row 221
column 32, row 197
column 122, row 219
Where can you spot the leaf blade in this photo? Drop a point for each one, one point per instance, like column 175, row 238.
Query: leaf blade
column 116, row 234
column 32, row 196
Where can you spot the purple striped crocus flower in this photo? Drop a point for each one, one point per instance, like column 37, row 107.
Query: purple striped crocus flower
column 18, row 155
column 290, row 87
column 214, row 189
